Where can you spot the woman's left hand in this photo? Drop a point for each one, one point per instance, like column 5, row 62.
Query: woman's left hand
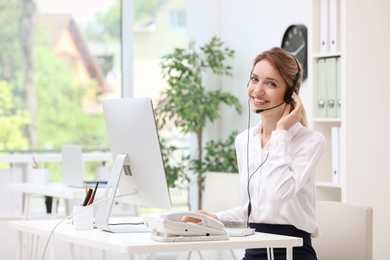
column 288, row 118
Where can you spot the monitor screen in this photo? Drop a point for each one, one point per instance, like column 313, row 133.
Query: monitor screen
column 138, row 173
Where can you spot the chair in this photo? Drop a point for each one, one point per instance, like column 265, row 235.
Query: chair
column 221, row 192
column 345, row 231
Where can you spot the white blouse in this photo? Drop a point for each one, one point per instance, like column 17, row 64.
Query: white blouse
column 282, row 189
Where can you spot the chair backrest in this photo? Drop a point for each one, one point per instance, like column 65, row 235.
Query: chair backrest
column 221, row 191
column 345, row 231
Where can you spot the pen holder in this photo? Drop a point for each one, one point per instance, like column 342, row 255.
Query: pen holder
column 40, row 176
column 83, row 217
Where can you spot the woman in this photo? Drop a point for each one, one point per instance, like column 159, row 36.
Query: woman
column 277, row 159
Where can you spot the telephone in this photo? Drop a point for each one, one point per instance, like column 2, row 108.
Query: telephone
column 170, row 224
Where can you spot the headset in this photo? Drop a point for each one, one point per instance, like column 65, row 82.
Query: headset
column 288, row 96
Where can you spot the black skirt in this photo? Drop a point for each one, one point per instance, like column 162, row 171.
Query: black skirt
column 305, row 252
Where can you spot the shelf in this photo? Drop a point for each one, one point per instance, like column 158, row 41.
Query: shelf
column 328, row 191
column 325, row 76
column 326, row 120
column 326, row 55
column 329, row 185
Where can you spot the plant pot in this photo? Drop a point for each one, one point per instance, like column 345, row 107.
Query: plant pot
column 48, row 203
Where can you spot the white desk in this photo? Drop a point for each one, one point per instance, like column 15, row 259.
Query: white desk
column 52, row 157
column 141, row 243
column 55, row 190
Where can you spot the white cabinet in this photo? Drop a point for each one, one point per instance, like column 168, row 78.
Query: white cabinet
column 362, row 69
column 325, row 61
column 10, row 201
column 365, row 113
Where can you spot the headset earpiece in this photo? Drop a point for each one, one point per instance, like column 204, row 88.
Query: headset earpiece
column 287, row 97
column 249, row 80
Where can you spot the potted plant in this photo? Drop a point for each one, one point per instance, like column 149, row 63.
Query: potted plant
column 189, row 105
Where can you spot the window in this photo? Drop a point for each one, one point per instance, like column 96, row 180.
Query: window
column 177, row 18
column 67, row 56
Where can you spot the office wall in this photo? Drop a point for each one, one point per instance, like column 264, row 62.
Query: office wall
column 248, row 27
column 367, row 56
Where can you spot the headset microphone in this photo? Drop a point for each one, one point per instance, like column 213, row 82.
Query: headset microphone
column 265, row 109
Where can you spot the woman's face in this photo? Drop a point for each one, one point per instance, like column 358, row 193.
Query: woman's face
column 266, row 87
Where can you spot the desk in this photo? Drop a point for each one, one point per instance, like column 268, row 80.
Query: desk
column 25, row 161
column 141, row 243
column 55, row 190
column 52, row 157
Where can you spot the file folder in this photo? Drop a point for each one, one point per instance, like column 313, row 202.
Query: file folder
column 334, row 25
column 331, row 88
column 321, row 106
column 338, row 87
column 324, row 26
column 335, row 135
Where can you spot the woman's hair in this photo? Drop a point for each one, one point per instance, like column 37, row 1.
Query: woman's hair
column 286, row 65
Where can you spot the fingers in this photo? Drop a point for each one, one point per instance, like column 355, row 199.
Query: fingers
column 208, row 214
column 286, row 110
column 288, row 118
column 197, row 220
column 297, row 101
column 296, row 113
column 186, row 219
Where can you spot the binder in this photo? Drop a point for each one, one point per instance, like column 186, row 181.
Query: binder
column 334, row 25
column 331, row 88
column 335, row 135
column 321, row 106
column 324, row 26
column 338, row 88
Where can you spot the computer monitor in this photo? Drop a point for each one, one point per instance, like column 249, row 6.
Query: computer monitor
column 138, row 173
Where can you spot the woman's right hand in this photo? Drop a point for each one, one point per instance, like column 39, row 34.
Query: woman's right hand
column 288, row 118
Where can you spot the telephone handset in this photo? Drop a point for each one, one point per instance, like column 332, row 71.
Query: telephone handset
column 170, row 224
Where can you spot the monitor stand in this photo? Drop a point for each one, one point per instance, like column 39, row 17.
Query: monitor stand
column 104, row 207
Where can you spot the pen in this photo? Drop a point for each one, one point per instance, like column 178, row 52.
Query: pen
column 87, row 197
column 86, row 187
column 93, row 194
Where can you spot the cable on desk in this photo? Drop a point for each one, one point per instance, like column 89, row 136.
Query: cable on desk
column 71, row 215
